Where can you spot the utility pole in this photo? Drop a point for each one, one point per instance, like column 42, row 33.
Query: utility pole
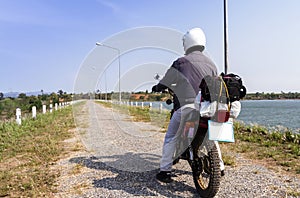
column 225, row 38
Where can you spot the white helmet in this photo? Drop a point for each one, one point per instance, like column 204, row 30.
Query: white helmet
column 194, row 37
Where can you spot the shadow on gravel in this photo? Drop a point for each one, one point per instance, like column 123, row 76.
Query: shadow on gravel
column 135, row 183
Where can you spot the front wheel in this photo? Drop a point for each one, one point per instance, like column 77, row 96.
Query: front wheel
column 206, row 171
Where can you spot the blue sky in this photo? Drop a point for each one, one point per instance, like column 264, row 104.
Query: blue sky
column 44, row 42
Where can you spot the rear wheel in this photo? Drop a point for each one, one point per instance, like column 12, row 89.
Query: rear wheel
column 206, row 172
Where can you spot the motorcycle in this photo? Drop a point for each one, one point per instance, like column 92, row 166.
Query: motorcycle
column 201, row 153
column 205, row 123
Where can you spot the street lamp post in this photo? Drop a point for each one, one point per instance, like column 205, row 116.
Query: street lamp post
column 105, row 85
column 119, row 61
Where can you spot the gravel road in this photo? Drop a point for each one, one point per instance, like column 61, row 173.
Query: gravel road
column 119, row 158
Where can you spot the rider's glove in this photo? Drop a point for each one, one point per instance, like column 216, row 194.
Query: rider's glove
column 155, row 89
column 158, row 88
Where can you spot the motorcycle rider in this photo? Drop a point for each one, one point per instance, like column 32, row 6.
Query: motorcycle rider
column 183, row 78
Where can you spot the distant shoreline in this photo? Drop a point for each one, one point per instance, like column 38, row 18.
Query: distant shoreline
column 273, row 96
column 270, row 99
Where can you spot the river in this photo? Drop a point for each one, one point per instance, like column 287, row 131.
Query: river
column 269, row 113
column 272, row 113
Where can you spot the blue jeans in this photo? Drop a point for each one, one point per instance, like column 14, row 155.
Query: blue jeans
column 170, row 142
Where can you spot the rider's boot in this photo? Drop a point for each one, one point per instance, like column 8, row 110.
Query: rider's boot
column 222, row 173
column 164, row 176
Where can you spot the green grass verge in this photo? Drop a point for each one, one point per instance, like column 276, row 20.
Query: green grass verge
column 28, row 150
column 279, row 148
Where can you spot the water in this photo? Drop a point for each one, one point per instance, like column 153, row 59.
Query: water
column 269, row 113
column 272, row 113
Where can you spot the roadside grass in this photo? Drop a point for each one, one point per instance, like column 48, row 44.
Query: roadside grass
column 279, row 148
column 27, row 152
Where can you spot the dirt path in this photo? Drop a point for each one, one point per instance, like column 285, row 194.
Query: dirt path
column 119, row 158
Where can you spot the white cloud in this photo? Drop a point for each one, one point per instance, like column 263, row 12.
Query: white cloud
column 114, row 7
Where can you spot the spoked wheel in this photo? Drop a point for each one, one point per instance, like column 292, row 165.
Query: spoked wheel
column 207, row 173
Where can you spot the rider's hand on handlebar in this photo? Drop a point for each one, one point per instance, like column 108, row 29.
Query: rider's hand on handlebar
column 160, row 88
column 154, row 89
column 157, row 89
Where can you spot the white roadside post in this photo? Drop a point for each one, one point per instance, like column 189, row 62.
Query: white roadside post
column 56, row 106
column 33, row 109
column 150, row 105
column 44, row 109
column 18, row 116
column 160, row 107
column 50, row 108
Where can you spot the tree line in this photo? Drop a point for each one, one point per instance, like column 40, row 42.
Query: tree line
column 8, row 105
column 272, row 96
column 147, row 96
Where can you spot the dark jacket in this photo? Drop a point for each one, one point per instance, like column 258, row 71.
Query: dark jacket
column 185, row 75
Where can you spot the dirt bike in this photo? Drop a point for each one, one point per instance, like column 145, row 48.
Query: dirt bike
column 201, row 153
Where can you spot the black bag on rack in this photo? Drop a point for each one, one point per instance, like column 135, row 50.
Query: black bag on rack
column 236, row 89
